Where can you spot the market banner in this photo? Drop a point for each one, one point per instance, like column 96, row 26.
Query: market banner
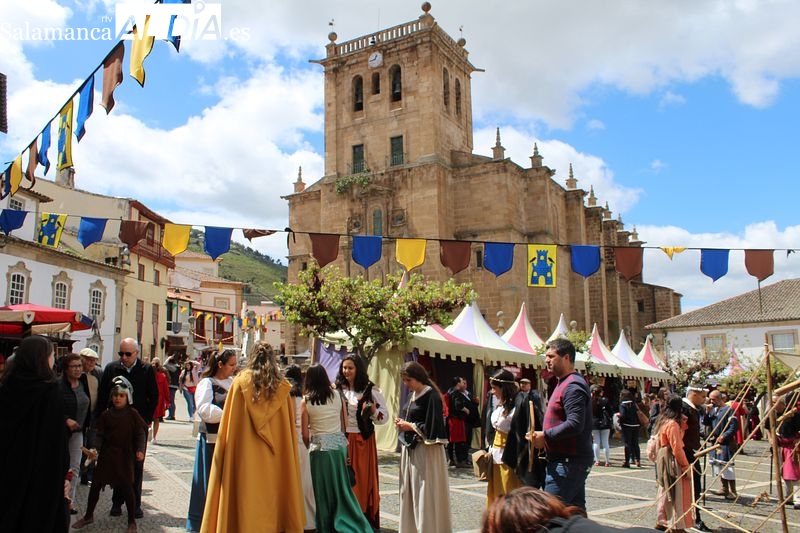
column 542, row 269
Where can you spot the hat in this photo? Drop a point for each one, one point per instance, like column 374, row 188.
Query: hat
column 88, row 352
column 121, row 384
column 524, row 380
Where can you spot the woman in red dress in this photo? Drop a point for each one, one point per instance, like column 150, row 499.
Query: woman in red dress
column 162, row 380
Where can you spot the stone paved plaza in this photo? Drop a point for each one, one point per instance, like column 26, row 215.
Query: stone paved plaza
column 616, row 496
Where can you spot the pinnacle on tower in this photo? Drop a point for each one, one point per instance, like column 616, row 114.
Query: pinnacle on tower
column 299, row 185
column 498, row 152
column 536, row 159
column 572, row 183
column 592, row 198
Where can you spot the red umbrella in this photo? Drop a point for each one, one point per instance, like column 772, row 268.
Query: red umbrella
column 19, row 318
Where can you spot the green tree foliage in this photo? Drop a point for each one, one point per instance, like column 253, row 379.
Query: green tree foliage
column 370, row 313
column 733, row 385
column 695, row 368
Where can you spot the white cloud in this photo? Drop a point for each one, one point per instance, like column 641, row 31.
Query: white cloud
column 670, row 99
column 657, row 165
column 595, row 124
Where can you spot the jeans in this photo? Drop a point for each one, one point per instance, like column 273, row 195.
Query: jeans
column 566, row 479
column 74, row 444
column 600, row 441
column 630, row 434
column 171, row 408
column 189, row 402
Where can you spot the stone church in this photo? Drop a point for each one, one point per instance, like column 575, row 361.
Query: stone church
column 399, row 163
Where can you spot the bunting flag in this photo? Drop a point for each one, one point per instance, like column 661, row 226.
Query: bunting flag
column 183, row 308
column 112, row 76
column 33, row 162
column 671, row 250
column 498, row 257
column 367, row 249
column 85, row 107
column 174, row 39
column 542, row 262
column 65, row 137
column 628, row 261
column 133, row 231
column 251, row 234
column 140, row 49
column 324, row 247
column 714, row 263
column 42, row 156
column 410, row 252
column 759, row 263
column 50, row 228
column 91, row 230
column 454, row 255
column 11, row 219
column 217, row 241
column 585, row 259
column 14, row 175
column 176, row 237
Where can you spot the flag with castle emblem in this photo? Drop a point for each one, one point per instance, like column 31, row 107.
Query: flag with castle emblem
column 65, row 137
column 50, row 228
column 542, row 265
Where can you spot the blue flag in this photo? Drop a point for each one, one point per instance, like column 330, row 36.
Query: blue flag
column 585, row 259
column 714, row 263
column 498, row 257
column 85, row 107
column 217, row 241
column 42, row 157
column 367, row 249
column 91, row 230
column 11, row 219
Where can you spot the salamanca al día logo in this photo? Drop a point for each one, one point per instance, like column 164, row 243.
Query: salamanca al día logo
column 198, row 21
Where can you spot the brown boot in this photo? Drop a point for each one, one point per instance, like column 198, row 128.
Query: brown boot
column 732, row 495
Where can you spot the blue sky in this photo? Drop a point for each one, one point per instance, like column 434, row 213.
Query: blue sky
column 680, row 115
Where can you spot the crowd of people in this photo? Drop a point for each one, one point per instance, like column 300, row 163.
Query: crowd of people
column 317, row 436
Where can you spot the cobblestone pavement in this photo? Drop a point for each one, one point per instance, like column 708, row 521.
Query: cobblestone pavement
column 616, row 496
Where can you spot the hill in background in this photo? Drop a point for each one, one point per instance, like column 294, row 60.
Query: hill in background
column 249, row 266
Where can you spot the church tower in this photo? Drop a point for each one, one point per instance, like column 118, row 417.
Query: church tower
column 396, row 97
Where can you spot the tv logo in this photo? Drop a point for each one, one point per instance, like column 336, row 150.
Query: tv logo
column 198, row 21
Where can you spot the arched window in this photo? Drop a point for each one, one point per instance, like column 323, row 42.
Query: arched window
column 358, row 93
column 376, row 83
column 458, row 97
column 397, row 83
column 16, row 289
column 60, row 295
column 446, row 89
column 377, row 222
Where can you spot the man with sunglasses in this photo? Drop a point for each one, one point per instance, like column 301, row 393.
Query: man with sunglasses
column 142, row 378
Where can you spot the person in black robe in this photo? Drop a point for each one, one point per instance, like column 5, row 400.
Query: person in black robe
column 34, row 458
column 516, row 454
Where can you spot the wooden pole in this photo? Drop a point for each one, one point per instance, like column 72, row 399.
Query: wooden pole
column 531, row 451
column 787, row 388
column 774, row 443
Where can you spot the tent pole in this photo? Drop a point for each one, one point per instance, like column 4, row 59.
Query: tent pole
column 773, row 440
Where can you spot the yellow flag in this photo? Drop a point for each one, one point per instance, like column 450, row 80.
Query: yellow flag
column 176, row 237
column 50, row 227
column 65, row 136
column 542, row 265
column 669, row 250
column 140, row 49
column 410, row 252
column 16, row 174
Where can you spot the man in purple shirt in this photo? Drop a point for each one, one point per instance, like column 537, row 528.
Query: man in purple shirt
column 567, row 430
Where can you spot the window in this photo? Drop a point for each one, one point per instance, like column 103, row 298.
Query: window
column 304, row 265
column 150, row 235
column 60, row 295
column 376, row 83
column 156, row 277
column 139, row 311
column 640, row 306
column 458, row 98
column 171, row 312
column 96, row 303
column 358, row 93
column 155, row 318
column 141, row 272
column 16, row 293
column 358, row 158
column 785, row 341
column 446, row 89
column 16, row 204
column 712, row 344
column 396, row 157
column 397, row 83
column 479, row 259
column 377, row 222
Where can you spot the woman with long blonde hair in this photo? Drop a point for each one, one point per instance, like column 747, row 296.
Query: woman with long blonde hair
column 255, row 465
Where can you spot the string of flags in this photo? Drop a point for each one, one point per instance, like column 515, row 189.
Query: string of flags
column 14, row 176
column 498, row 257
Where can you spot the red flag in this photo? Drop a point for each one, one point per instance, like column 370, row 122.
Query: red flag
column 759, row 263
column 628, row 261
column 112, row 76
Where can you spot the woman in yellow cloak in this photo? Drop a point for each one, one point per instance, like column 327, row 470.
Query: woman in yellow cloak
column 255, row 475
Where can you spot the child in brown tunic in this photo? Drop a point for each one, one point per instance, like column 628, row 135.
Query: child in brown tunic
column 121, row 438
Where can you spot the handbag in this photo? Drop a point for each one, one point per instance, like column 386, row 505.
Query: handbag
column 482, row 464
column 644, row 420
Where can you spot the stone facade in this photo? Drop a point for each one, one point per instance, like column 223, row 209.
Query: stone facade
column 435, row 188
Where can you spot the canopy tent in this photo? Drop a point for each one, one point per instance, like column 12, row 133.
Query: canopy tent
column 521, row 333
column 605, row 362
column 650, row 356
column 20, row 319
column 625, row 353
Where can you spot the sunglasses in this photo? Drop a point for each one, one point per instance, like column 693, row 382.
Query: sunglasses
column 125, row 354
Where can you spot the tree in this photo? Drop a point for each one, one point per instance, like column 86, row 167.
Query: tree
column 696, row 368
column 370, row 313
